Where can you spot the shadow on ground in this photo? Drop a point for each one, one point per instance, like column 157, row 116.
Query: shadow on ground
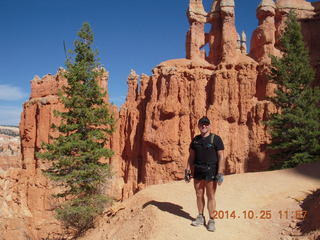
column 311, row 205
column 309, row 169
column 170, row 208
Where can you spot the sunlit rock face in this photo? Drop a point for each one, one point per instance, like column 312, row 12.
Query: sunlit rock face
column 272, row 16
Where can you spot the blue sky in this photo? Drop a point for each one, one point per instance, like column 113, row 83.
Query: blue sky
column 128, row 34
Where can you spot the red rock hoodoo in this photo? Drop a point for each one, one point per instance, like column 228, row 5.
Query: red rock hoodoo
column 159, row 118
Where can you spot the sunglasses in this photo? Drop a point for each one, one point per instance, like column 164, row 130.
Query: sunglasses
column 204, row 124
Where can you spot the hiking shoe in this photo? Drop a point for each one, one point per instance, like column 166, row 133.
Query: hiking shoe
column 198, row 221
column 211, row 225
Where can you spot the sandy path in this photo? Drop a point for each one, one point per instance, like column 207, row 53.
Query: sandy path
column 165, row 211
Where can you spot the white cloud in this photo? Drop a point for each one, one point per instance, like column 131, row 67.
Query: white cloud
column 10, row 115
column 11, row 93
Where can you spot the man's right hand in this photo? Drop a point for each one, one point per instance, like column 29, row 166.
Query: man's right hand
column 187, row 175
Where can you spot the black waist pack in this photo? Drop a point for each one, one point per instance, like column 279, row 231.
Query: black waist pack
column 203, row 168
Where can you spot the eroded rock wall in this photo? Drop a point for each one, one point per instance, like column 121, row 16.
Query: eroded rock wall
column 27, row 193
column 159, row 126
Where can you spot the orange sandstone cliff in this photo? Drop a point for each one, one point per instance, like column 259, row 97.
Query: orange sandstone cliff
column 156, row 123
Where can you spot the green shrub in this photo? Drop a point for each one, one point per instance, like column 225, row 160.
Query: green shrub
column 79, row 213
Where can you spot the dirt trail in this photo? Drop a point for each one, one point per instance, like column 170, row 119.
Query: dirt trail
column 165, row 211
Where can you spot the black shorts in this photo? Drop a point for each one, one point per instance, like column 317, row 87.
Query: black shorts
column 205, row 172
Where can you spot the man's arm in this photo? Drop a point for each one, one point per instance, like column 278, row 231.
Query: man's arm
column 219, row 176
column 190, row 159
column 221, row 162
column 190, row 162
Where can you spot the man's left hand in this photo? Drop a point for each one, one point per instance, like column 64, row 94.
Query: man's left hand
column 219, row 178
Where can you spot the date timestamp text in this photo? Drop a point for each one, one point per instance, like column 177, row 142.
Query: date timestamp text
column 261, row 214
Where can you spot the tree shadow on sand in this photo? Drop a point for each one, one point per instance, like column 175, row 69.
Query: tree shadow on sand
column 309, row 169
column 170, row 208
column 311, row 206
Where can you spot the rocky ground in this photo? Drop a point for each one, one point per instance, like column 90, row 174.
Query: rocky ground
column 165, row 211
column 9, row 130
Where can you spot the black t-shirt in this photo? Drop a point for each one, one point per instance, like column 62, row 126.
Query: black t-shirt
column 205, row 152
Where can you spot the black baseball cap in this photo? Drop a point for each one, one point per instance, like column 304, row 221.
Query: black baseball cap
column 204, row 120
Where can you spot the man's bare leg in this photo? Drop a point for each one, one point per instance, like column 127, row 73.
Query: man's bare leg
column 211, row 187
column 199, row 186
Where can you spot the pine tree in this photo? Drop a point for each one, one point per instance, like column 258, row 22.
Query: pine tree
column 295, row 128
column 77, row 154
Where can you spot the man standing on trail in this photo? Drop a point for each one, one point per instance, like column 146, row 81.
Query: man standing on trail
column 205, row 164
